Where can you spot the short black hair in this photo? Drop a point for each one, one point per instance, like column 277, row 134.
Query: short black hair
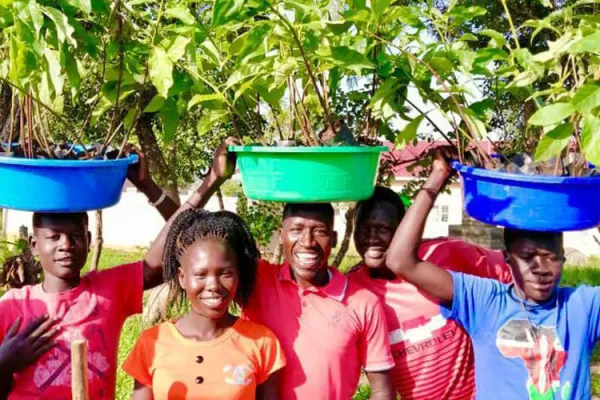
column 324, row 209
column 192, row 226
column 512, row 235
column 381, row 194
column 38, row 217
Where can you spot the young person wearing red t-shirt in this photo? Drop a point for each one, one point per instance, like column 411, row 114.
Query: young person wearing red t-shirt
column 433, row 356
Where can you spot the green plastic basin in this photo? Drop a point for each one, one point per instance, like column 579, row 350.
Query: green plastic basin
column 308, row 174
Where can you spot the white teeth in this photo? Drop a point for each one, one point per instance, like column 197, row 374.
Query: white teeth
column 308, row 257
column 212, row 301
column 374, row 253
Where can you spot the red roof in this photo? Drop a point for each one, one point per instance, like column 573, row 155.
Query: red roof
column 402, row 160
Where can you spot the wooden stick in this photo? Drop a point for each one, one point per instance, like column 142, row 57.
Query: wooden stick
column 79, row 370
column 98, row 242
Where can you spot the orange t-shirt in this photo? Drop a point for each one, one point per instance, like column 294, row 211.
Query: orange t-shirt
column 229, row 367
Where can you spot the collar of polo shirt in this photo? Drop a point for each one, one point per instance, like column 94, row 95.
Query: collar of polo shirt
column 335, row 288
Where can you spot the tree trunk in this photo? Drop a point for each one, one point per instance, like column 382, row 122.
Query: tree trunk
column 157, row 305
column 220, row 198
column 347, row 236
column 5, row 106
column 156, row 160
column 276, row 257
column 98, row 242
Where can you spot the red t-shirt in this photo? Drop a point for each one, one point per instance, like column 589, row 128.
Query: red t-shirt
column 327, row 333
column 433, row 356
column 95, row 311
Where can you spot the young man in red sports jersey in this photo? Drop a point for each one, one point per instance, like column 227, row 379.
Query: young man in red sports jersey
column 433, row 356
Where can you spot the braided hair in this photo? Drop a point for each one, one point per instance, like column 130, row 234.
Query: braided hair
column 192, row 226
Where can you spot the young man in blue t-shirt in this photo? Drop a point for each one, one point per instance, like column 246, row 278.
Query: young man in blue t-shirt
column 532, row 339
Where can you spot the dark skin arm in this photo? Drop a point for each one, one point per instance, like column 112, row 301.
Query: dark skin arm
column 269, row 389
column 19, row 350
column 222, row 169
column 141, row 392
column 382, row 387
column 139, row 175
column 402, row 257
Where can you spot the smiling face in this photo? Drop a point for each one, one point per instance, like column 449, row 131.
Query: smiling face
column 61, row 242
column 307, row 239
column 209, row 276
column 536, row 264
column 375, row 227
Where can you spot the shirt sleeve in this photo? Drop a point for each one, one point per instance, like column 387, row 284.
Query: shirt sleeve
column 374, row 343
column 473, row 301
column 591, row 298
column 272, row 358
column 125, row 284
column 8, row 313
column 460, row 256
column 138, row 364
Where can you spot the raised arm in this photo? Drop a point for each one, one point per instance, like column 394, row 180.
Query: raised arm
column 139, row 175
column 402, row 258
column 222, row 169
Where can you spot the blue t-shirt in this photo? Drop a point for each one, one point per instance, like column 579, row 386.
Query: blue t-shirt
column 519, row 359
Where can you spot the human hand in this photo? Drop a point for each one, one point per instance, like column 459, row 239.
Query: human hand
column 223, row 165
column 441, row 161
column 138, row 173
column 19, row 350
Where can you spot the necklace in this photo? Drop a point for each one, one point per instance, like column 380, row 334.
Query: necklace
column 532, row 331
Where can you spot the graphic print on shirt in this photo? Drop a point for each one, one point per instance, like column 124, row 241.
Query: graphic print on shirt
column 54, row 368
column 238, row 374
column 419, row 334
column 543, row 356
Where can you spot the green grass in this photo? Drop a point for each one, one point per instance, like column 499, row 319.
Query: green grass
column 112, row 257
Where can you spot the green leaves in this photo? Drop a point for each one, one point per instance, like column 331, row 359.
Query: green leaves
column 155, row 104
column 208, row 121
column 181, row 13
column 63, row 29
column 177, row 48
column 345, row 57
column 379, row 7
column 553, row 142
column 590, row 138
column 551, row 114
column 169, row 117
column 202, row 98
column 409, row 133
column 496, row 38
column 587, row 97
column 226, row 10
column 588, row 44
column 160, row 69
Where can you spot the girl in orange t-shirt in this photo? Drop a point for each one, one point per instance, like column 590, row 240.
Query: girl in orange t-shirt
column 210, row 258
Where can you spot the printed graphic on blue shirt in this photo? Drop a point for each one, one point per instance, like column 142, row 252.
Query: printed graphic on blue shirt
column 543, row 356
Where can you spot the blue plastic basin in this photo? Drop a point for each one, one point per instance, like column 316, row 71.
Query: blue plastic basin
column 530, row 202
column 61, row 185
